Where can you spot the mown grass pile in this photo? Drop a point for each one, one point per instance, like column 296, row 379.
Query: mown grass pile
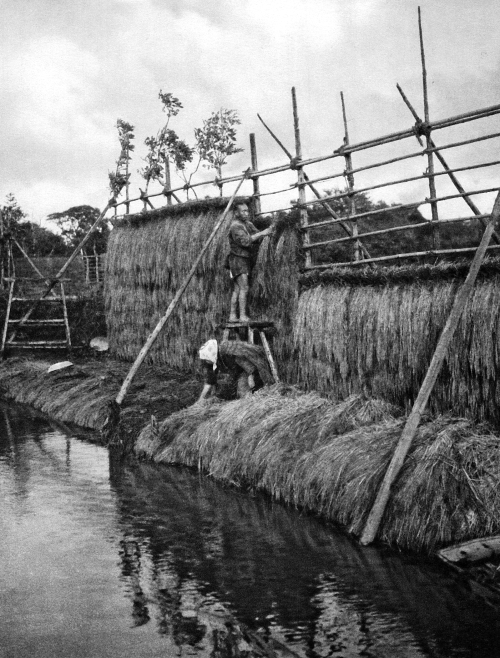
column 379, row 339
column 330, row 457
column 148, row 257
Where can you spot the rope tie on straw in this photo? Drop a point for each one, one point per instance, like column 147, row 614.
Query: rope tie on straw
column 294, row 163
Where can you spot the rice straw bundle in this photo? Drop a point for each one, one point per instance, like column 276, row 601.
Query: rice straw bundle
column 331, row 457
column 379, row 340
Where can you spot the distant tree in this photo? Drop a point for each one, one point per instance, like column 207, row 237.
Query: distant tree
column 75, row 223
column 216, row 140
column 34, row 239
column 40, row 242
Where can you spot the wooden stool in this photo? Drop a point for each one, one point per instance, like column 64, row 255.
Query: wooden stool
column 253, row 326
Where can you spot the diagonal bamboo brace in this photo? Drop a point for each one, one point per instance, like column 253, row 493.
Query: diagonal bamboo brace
column 410, row 428
column 324, row 203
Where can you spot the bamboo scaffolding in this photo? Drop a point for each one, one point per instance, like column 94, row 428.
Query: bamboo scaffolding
column 392, row 137
column 447, row 169
column 403, row 256
column 410, row 428
column 399, row 207
column 255, row 178
column 53, row 281
column 393, row 229
column 342, row 221
column 33, row 266
column 350, row 183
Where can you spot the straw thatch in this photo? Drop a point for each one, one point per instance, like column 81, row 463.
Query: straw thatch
column 81, row 394
column 149, row 255
column 379, row 339
column 331, row 457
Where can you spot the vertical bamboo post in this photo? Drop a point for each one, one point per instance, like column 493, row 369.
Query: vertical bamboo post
column 127, row 182
column 430, row 157
column 350, row 183
column 410, row 428
column 168, row 182
column 255, row 179
column 304, row 218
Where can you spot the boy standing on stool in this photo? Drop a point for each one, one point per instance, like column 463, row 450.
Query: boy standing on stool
column 242, row 234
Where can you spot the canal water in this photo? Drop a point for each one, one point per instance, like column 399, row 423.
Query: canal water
column 101, row 559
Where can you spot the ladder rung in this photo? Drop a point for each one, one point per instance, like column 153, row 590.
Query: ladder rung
column 40, row 323
column 71, row 298
column 37, row 343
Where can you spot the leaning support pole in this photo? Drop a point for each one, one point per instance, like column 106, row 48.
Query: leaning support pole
column 410, row 428
column 156, row 331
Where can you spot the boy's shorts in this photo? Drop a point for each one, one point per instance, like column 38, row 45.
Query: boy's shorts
column 238, row 265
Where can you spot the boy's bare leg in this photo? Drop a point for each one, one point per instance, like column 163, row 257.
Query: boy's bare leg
column 233, row 313
column 242, row 296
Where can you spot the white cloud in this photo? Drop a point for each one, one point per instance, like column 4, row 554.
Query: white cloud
column 53, row 81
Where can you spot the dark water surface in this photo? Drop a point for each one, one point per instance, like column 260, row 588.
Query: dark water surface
column 99, row 558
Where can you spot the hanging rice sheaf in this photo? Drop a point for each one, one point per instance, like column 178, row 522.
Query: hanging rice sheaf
column 149, row 255
column 377, row 336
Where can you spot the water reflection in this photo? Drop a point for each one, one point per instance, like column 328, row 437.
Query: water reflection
column 104, row 558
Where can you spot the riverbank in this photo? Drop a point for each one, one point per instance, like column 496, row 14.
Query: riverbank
column 303, row 449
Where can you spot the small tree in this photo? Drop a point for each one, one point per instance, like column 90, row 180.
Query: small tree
column 216, row 141
column 167, row 148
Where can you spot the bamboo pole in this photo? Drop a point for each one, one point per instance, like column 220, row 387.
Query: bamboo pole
column 350, row 184
column 304, row 217
column 414, row 204
column 168, row 183
column 430, row 158
column 403, row 256
column 392, row 229
column 404, row 134
column 155, row 333
column 321, row 200
column 255, row 177
column 34, row 267
column 127, row 181
column 447, row 170
column 410, row 428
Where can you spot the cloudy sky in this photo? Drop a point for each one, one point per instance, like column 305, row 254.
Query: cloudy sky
column 70, row 69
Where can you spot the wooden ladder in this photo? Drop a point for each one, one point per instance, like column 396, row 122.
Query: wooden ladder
column 51, row 325
column 252, row 327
